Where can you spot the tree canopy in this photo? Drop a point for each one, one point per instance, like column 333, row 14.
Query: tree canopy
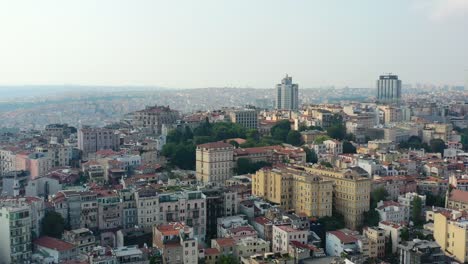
column 416, row 211
column 294, row 138
column 53, row 225
column 437, row 145
column 348, row 147
column 280, row 130
column 311, row 156
column 245, row 166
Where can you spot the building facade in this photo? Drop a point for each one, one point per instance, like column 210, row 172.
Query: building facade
column 214, row 162
column 388, row 88
column 287, row 95
column 91, row 140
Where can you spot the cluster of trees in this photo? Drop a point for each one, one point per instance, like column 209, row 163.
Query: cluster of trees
column 181, row 143
column 311, row 156
column 53, row 225
column 415, row 142
column 435, row 200
column 372, row 217
column 180, row 148
column 464, row 136
column 282, row 132
column 245, row 166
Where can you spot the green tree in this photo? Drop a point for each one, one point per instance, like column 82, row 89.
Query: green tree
column 404, row 234
column 311, row 156
column 326, row 164
column 435, row 200
column 245, row 166
column 253, row 134
column 437, row 145
column 204, row 129
column 416, row 211
column 227, row 259
column 280, row 130
column 337, row 131
column 53, row 225
column 294, row 138
column 321, row 139
column 334, row 222
column 234, row 143
column 348, row 147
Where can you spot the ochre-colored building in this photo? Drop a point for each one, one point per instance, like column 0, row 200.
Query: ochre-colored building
column 451, row 233
column 294, row 189
column 351, row 193
column 214, row 162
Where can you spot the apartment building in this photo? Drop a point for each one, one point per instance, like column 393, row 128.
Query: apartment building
column 451, row 233
column 176, row 243
column 247, row 118
column 109, row 210
column 457, row 200
column 294, row 189
column 15, row 227
column 392, row 211
column 392, row 232
column 7, row 160
column 78, row 208
column 60, row 155
column 91, row 140
column 214, row 162
column 351, row 193
column 376, row 237
column 37, row 163
column 219, row 203
column 333, row 146
column 420, row 251
column 151, row 119
column 284, row 234
column 82, row 238
column 248, row 246
column 36, row 208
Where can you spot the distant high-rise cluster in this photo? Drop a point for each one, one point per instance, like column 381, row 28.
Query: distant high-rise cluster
column 388, row 88
column 287, row 94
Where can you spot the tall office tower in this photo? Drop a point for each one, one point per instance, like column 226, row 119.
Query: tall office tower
column 388, row 89
column 287, row 94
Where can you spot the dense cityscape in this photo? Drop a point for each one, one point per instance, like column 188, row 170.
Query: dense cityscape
column 253, row 176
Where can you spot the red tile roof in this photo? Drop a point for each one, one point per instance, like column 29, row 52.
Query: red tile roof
column 219, row 144
column 53, row 243
column 344, row 238
column 211, row 251
column 225, row 242
column 459, row 196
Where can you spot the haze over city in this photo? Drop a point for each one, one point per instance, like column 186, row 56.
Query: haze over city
column 233, row 132
column 196, row 44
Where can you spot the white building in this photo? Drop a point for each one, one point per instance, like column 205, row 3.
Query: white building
column 392, row 211
column 407, row 199
column 393, row 232
column 333, row 146
column 15, row 229
column 336, row 242
column 284, row 234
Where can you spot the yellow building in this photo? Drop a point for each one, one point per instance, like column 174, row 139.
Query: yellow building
column 351, row 193
column 451, row 233
column 457, row 200
column 376, row 236
column 294, row 189
column 214, row 162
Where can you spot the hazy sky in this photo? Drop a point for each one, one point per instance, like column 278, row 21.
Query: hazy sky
column 201, row 43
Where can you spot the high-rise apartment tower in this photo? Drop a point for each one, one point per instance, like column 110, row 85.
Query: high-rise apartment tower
column 287, row 94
